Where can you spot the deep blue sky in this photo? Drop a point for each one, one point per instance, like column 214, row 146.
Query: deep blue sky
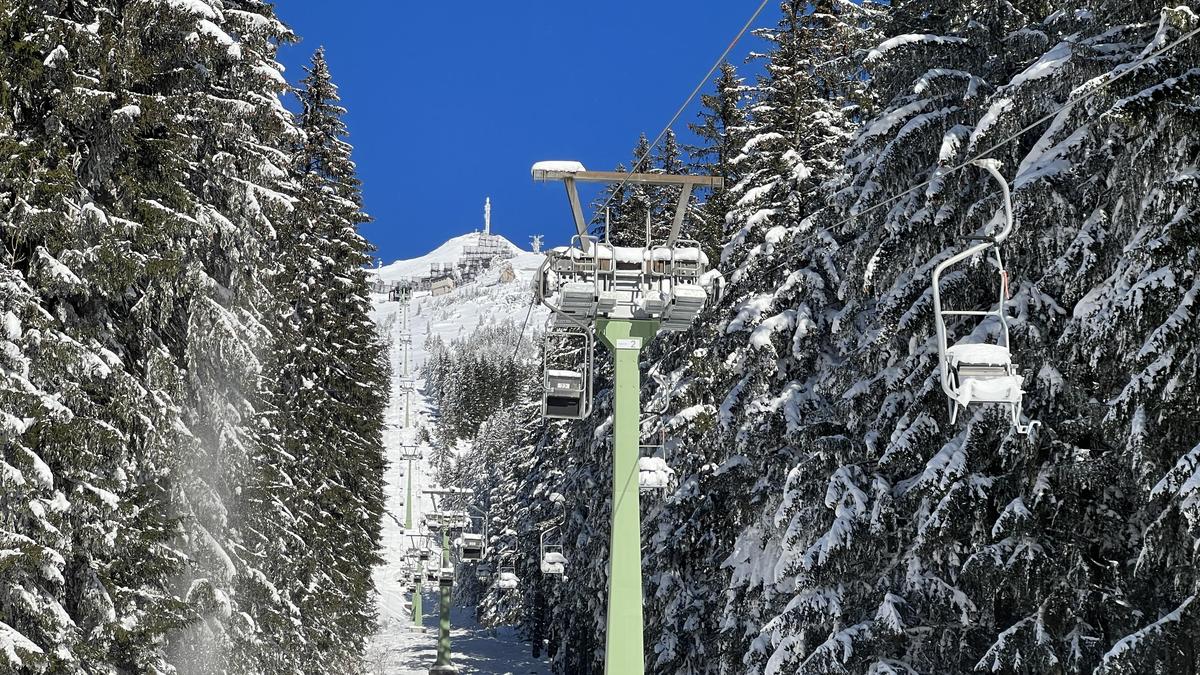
column 450, row 102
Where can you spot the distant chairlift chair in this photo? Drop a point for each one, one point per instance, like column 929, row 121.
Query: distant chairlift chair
column 507, row 580
column 567, row 392
column 654, row 473
column 470, row 547
column 553, row 562
column 483, row 572
column 978, row 372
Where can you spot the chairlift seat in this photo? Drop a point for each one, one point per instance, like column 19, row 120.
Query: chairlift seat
column 686, row 302
column 654, row 473
column 976, row 354
column 564, row 393
column 654, row 302
column 983, row 373
column 578, row 298
column 553, row 562
column 606, row 302
column 507, row 581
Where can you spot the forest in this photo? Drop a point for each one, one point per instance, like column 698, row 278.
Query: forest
column 193, row 390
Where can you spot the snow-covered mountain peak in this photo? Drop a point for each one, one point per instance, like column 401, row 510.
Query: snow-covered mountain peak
column 491, row 297
column 449, row 253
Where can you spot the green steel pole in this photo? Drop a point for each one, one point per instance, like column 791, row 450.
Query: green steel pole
column 416, row 601
column 443, row 654
column 623, row 653
column 408, row 500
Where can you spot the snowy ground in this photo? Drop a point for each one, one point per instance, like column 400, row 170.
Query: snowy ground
column 399, row 648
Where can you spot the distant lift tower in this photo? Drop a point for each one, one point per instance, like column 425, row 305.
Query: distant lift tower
column 445, row 518
column 622, row 296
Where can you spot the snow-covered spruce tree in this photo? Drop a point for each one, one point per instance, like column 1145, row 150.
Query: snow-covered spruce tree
column 145, row 174
column 113, row 204
column 627, row 204
column 721, row 136
column 318, row 498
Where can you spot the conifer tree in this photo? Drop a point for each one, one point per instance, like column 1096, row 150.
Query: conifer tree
column 320, row 477
column 721, row 135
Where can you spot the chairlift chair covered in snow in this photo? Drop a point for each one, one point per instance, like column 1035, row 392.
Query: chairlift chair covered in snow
column 410, row 452
column 552, row 560
column 979, row 372
column 506, row 579
column 654, row 473
column 472, row 542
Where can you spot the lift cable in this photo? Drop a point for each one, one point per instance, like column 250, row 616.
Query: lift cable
column 521, row 335
column 674, row 118
column 1085, row 96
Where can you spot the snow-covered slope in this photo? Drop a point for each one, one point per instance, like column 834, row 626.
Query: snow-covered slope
column 398, row 649
column 485, row 300
column 448, row 252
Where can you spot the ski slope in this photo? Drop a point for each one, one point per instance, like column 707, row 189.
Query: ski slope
column 398, row 648
column 446, row 254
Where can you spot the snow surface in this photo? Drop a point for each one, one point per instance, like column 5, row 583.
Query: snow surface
column 448, row 253
column 979, row 353
column 556, row 165
column 399, row 649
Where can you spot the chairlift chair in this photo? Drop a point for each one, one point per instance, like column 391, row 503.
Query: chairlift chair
column 567, row 391
column 506, row 579
column 980, row 372
column 654, row 473
column 483, row 571
column 432, row 570
column 470, row 547
column 552, row 560
column 446, row 576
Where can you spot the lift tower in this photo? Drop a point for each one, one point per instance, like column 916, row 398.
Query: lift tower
column 622, row 296
column 444, row 518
